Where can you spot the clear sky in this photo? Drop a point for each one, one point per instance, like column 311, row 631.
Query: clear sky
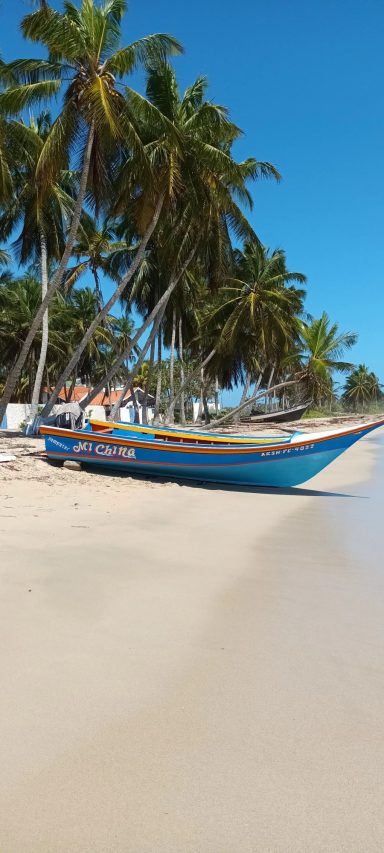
column 304, row 80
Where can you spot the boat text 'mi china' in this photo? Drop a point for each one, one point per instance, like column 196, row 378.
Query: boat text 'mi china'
column 105, row 450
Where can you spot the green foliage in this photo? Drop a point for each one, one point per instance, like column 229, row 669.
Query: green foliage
column 163, row 150
column 71, row 313
column 362, row 389
column 321, row 349
column 315, row 413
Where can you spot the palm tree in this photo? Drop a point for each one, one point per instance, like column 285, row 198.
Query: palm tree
column 97, row 250
column 40, row 216
column 322, row 347
column 201, row 179
column 80, row 307
column 84, row 57
column 253, row 321
column 19, row 299
column 362, row 387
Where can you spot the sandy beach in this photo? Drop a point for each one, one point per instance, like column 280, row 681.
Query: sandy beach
column 191, row 669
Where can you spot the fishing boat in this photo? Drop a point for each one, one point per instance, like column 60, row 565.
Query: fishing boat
column 279, row 417
column 276, row 464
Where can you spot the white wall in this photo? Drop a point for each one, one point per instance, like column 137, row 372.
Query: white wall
column 127, row 414
column 15, row 415
column 97, row 412
column 196, row 406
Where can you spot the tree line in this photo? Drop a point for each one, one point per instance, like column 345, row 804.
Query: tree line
column 143, row 190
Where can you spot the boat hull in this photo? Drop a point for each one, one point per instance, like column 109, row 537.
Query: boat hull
column 277, row 466
column 279, row 417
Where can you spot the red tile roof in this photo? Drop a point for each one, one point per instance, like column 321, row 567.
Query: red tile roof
column 80, row 391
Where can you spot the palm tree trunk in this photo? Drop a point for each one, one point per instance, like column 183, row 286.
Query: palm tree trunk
column 68, row 394
column 207, row 416
column 136, row 367
column 159, row 377
column 45, row 328
column 270, row 380
column 182, row 377
column 148, row 381
column 200, row 410
column 135, row 403
column 216, row 395
column 98, row 293
column 231, row 414
column 108, row 306
column 158, row 309
column 171, row 407
column 193, row 375
column 55, row 282
column 246, row 388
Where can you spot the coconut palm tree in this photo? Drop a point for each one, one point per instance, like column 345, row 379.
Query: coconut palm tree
column 86, row 61
column 19, row 299
column 180, row 327
column 322, row 348
column 253, row 320
column 362, row 387
column 97, row 250
column 39, row 216
column 79, row 308
column 201, row 180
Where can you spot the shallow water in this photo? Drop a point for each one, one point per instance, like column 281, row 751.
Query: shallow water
column 361, row 518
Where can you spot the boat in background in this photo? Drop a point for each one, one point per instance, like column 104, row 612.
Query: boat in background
column 278, row 465
column 280, row 417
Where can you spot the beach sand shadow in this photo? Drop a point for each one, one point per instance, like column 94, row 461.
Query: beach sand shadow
column 214, row 487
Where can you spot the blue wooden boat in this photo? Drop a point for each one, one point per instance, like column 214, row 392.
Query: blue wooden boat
column 273, row 464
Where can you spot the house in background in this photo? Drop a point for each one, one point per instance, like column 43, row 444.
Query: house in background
column 101, row 405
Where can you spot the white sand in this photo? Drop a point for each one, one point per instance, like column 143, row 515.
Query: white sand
column 191, row 670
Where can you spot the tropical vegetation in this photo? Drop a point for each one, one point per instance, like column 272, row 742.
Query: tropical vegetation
column 129, row 256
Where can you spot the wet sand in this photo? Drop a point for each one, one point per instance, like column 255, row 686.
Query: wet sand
column 192, row 670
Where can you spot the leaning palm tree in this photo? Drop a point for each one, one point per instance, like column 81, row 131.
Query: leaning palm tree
column 322, row 348
column 85, row 60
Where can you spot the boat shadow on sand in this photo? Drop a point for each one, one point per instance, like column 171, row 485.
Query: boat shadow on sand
column 215, row 487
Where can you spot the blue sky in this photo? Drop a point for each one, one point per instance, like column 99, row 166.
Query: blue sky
column 304, row 80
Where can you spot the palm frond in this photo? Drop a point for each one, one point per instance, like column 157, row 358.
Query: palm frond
column 17, row 98
column 149, row 51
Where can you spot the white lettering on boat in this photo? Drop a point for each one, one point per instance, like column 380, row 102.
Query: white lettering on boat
column 83, row 447
column 114, row 450
column 105, row 450
column 58, row 443
column 286, row 451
